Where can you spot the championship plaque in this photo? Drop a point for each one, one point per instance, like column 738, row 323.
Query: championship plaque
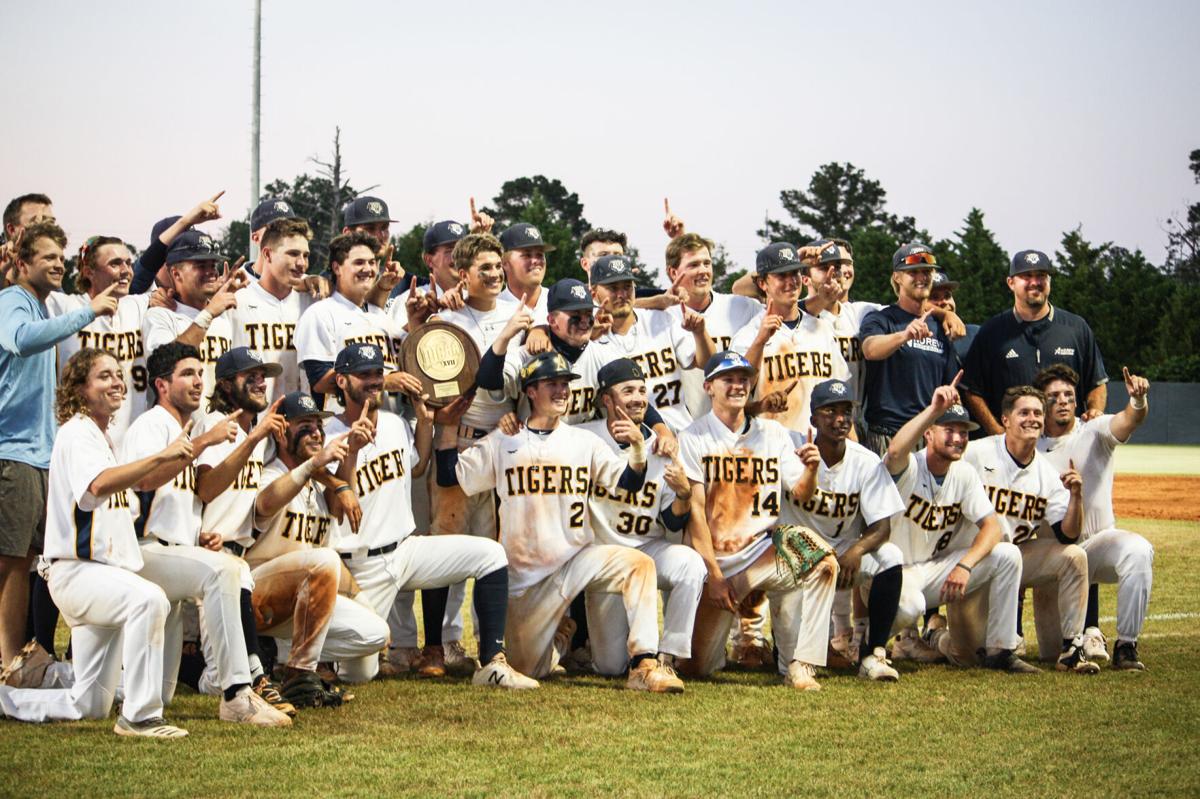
column 444, row 358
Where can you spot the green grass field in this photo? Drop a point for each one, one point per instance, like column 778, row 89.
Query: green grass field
column 938, row 732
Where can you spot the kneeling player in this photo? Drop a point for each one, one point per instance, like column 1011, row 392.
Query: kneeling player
column 642, row 520
column 544, row 475
column 851, row 509
column 943, row 563
column 116, row 617
column 739, row 466
column 296, row 571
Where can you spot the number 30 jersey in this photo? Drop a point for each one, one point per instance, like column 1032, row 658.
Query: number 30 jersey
column 937, row 517
column 624, row 518
column 1028, row 499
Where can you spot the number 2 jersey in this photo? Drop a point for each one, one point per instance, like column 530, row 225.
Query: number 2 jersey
column 744, row 474
column 938, row 516
column 1028, row 499
column 544, row 481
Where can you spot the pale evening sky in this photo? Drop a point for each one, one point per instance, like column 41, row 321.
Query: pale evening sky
column 1045, row 115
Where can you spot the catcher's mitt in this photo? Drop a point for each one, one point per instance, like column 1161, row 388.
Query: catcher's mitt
column 798, row 550
column 309, row 690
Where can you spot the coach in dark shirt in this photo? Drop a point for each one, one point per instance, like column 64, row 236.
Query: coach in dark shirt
column 907, row 351
column 1013, row 346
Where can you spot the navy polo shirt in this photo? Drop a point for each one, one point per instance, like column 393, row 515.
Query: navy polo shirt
column 1010, row 352
column 901, row 386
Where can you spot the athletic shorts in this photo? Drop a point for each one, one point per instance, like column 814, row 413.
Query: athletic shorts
column 22, row 508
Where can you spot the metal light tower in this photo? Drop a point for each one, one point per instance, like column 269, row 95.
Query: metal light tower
column 256, row 114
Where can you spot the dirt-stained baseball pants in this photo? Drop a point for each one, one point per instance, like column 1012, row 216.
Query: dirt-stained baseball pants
column 297, row 590
column 116, row 618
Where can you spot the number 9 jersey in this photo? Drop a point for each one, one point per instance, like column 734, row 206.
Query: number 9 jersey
column 1028, row 499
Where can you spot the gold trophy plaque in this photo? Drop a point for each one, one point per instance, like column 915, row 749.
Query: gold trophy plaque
column 444, row 358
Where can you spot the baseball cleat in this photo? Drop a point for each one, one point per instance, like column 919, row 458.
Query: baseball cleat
column 28, row 668
column 1073, row 659
column 156, row 727
column 562, row 637
column 909, row 645
column 802, row 676
column 838, row 656
column 650, row 675
column 458, row 662
column 579, row 661
column 876, row 666
column 250, row 708
column 269, row 691
column 1094, row 645
column 499, row 674
column 431, row 663
column 1006, row 660
column 1125, row 657
column 399, row 660
column 1019, row 649
column 327, row 672
column 753, row 654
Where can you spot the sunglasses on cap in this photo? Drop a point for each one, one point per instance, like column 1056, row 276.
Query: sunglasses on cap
column 919, row 258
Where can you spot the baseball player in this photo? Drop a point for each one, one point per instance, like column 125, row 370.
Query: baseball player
column 741, row 468
column 953, row 546
column 443, row 283
column 116, row 616
column 524, row 260
column 186, row 561
column 544, row 476
column 267, row 310
column 1113, row 555
column 644, row 520
column 105, row 262
column 384, row 556
column 300, row 595
column 788, row 346
column 652, row 339
column 851, row 509
column 1042, row 513
column 202, row 297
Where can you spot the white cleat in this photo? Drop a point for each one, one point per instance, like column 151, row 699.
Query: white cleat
column 652, row 675
column 876, row 666
column 156, row 727
column 1094, row 645
column 802, row 676
column 499, row 674
column 250, row 708
column 908, row 645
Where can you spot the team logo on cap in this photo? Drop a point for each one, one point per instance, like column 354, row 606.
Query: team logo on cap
column 254, row 356
column 579, row 292
column 616, row 265
column 367, row 351
column 533, row 232
column 838, row 388
column 204, row 243
column 375, row 207
column 1032, row 258
column 917, row 249
column 455, row 228
column 957, row 410
column 306, row 403
column 282, row 207
column 786, row 254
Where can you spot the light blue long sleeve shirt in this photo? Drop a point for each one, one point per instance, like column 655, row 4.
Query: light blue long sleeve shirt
column 27, row 374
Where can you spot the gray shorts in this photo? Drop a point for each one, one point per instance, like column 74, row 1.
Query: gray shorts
column 22, row 509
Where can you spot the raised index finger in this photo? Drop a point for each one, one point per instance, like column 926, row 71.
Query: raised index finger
column 1125, row 373
column 363, row 415
column 957, row 377
column 667, row 206
column 791, row 386
column 217, row 196
column 474, row 213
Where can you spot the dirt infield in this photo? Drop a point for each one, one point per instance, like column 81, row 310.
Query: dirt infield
column 1147, row 496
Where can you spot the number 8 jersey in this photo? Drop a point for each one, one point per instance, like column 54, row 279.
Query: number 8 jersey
column 938, row 517
column 1028, row 499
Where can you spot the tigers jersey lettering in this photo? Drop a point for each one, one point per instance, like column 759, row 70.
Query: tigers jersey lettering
column 162, row 326
column 267, row 325
column 937, row 517
column 1027, row 499
column 304, row 523
column 383, row 474
column 231, row 512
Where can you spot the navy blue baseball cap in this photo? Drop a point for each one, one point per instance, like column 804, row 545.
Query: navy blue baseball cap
column 830, row 392
column 727, row 361
column 270, row 209
column 161, row 226
column 193, row 245
column 941, row 280
column 776, row 258
column 298, row 405
column 611, row 269
column 569, row 294
column 913, row 255
column 618, row 371
column 364, row 211
column 356, row 358
column 243, row 359
column 1030, row 261
column 445, row 232
column 957, row 414
column 544, row 367
column 522, row 236
column 832, row 251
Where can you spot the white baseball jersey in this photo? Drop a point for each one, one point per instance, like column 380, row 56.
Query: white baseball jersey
column 540, row 309
column 807, row 353
column 231, row 512
column 1029, row 499
column 267, row 325
column 1090, row 445
column 619, row 517
column 329, row 326
column 725, row 315
column 937, row 516
column 483, row 327
column 162, row 326
column 745, row 476
column 846, row 323
column 383, row 474
column 581, row 404
column 663, row 350
column 544, row 481
column 172, row 513
column 120, row 335
column 80, row 525
column 851, row 495
column 304, row 523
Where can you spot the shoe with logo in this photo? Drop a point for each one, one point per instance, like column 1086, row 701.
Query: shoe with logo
column 499, row 674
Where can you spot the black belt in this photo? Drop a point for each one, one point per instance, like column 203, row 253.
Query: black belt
column 235, row 548
column 881, row 431
column 383, row 550
column 466, row 431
